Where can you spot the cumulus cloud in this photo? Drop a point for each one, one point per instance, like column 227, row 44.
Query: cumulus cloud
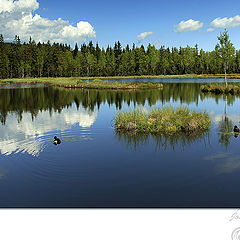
column 187, row 26
column 226, row 22
column 18, row 18
column 18, row 6
column 144, row 35
column 210, row 29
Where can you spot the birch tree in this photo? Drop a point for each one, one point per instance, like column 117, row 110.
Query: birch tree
column 226, row 51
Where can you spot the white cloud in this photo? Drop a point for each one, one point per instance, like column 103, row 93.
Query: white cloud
column 18, row 18
column 210, row 29
column 144, row 35
column 83, row 28
column 187, row 26
column 226, row 22
column 18, row 6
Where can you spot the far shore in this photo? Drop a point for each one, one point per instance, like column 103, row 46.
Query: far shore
column 229, row 76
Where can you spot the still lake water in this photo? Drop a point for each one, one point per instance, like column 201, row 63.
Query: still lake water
column 96, row 167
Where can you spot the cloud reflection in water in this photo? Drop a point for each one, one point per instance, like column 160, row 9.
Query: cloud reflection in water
column 31, row 136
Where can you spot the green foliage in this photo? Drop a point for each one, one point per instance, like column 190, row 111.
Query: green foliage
column 226, row 51
column 37, row 60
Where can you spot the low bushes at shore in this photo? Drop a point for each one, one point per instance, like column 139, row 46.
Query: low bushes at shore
column 166, row 121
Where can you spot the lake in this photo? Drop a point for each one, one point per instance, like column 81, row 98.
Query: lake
column 96, row 167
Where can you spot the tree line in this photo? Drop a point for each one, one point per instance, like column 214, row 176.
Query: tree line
column 19, row 60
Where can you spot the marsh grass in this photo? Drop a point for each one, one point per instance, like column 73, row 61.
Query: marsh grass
column 219, row 88
column 86, row 84
column 164, row 121
column 99, row 84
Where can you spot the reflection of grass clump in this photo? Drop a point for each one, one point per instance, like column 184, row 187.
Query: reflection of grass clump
column 218, row 88
column 137, row 140
column 166, row 121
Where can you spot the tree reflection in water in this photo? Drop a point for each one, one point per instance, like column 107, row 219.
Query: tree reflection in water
column 52, row 99
column 225, row 127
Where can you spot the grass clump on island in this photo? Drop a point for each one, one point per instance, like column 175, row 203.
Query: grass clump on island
column 164, row 121
column 99, row 84
column 219, row 88
column 86, row 84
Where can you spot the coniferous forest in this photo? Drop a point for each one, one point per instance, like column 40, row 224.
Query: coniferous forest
column 19, row 60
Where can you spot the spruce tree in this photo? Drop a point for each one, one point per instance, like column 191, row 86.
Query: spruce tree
column 75, row 51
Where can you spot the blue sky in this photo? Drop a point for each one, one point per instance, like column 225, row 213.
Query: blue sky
column 109, row 21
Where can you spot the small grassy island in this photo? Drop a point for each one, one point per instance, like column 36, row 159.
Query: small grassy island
column 99, row 84
column 164, row 121
column 218, row 88
column 86, row 84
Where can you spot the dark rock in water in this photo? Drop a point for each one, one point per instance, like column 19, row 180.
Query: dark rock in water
column 236, row 129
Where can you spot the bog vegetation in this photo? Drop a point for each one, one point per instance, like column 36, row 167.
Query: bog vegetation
column 166, row 121
column 20, row 60
column 99, row 84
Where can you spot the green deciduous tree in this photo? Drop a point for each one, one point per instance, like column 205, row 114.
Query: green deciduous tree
column 226, row 51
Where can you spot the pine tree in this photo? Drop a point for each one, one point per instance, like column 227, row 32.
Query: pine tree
column 75, row 51
column 1, row 40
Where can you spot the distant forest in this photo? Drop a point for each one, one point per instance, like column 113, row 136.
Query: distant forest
column 19, row 60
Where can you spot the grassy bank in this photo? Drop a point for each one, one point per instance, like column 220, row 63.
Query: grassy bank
column 218, row 88
column 165, row 121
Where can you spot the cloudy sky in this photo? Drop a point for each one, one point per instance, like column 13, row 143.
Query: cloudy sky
column 170, row 23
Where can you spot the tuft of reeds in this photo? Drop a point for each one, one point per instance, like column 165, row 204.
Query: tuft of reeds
column 165, row 121
column 218, row 88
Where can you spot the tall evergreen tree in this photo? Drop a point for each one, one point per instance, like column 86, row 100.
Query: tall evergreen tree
column 75, row 51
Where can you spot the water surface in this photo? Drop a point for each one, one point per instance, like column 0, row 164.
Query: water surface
column 96, row 167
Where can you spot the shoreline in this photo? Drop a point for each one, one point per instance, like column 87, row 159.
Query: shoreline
column 198, row 76
column 102, row 83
